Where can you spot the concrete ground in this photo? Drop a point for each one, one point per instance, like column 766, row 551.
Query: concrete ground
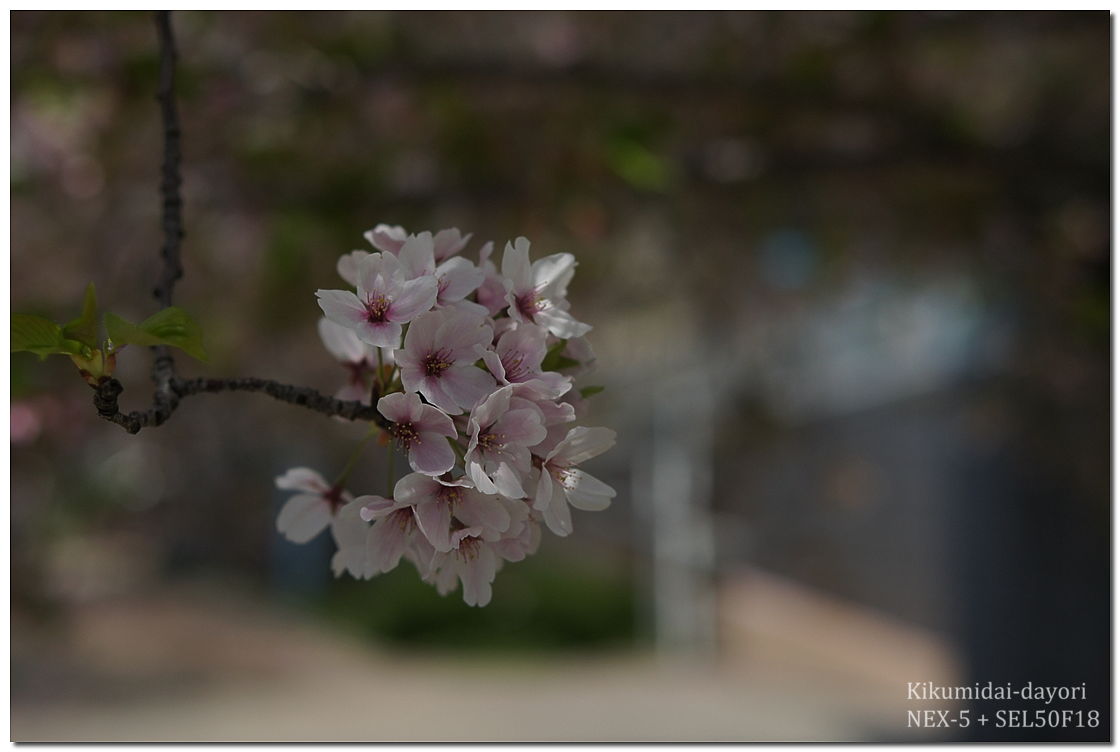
column 198, row 664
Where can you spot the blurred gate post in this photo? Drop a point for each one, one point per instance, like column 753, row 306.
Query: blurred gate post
column 675, row 477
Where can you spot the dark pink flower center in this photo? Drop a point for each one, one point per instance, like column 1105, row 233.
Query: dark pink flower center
column 492, row 442
column 334, row 497
column 377, row 309
column 528, row 305
column 449, row 495
column 436, row 362
column 401, row 518
column 468, row 547
column 514, row 364
column 406, row 434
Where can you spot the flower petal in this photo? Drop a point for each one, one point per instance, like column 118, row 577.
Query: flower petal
column 476, row 573
column 467, row 385
column 434, row 519
column 586, row 492
column 341, row 342
column 477, row 510
column 449, row 242
column 387, row 238
column 348, row 266
column 417, row 256
column 581, row 444
column 516, row 268
column 551, row 274
column 387, row 539
column 430, row 454
column 379, row 334
column 303, row 517
column 561, row 323
column 342, row 307
column 302, row 479
column 507, row 482
column 397, row 407
column 458, row 278
column 558, row 517
column 522, row 426
column 435, row 420
column 413, row 298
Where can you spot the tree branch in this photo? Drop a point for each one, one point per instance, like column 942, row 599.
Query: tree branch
column 108, row 392
column 172, row 155
column 170, row 389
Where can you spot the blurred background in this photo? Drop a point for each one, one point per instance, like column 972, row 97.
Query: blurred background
column 849, row 276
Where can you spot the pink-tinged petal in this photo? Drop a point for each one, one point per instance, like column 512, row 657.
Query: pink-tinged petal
column 476, row 510
column 350, row 535
column 491, row 294
column 516, row 268
column 431, row 454
column 446, row 579
column 348, row 266
column 581, row 444
column 417, row 256
column 399, row 407
column 303, row 517
column 508, row 483
column 421, row 337
column 481, row 480
column 467, row 385
column 544, row 491
column 389, row 238
column 379, row 334
column 510, row 549
column 434, row 420
column 449, row 242
column 485, row 251
column 494, row 363
column 433, row 390
column 422, row 554
column 586, row 492
column 374, row 507
column 476, row 572
column 373, row 274
column 413, row 298
column 487, row 412
column 302, row 479
column 464, row 336
column 342, row 307
column 526, row 340
column 524, row 427
column 434, row 520
column 387, row 539
column 341, row 342
column 467, row 308
column 549, row 385
column 561, row 323
column 458, row 278
column 558, row 517
column 416, row 488
column 551, row 274
column 412, row 374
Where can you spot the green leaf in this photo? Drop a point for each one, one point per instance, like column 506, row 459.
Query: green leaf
column 41, row 336
column 171, row 326
column 553, row 357
column 84, row 328
column 588, row 391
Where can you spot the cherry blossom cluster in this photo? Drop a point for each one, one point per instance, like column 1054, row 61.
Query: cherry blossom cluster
column 473, row 372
